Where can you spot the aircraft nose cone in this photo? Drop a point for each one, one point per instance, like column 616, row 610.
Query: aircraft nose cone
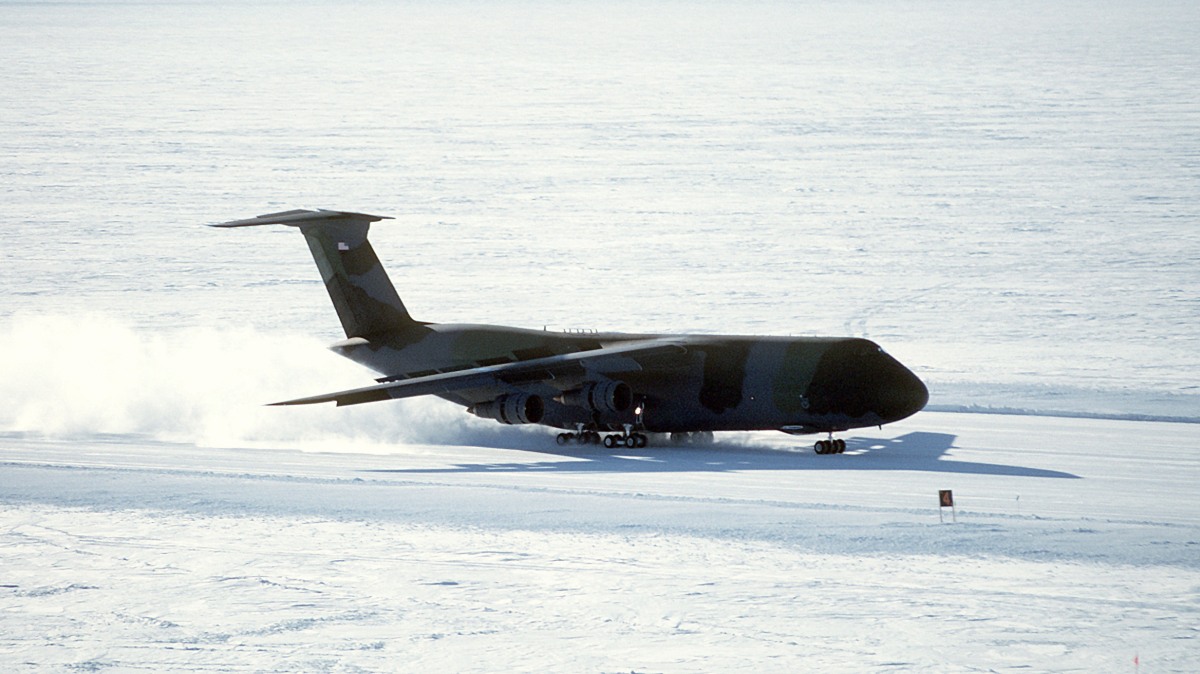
column 904, row 395
column 860, row 382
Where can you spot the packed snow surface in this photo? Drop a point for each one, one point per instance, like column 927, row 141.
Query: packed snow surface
column 1004, row 195
column 1074, row 546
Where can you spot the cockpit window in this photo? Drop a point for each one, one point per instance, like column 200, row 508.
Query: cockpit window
column 867, row 350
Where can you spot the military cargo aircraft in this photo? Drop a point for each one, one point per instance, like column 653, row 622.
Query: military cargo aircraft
column 597, row 387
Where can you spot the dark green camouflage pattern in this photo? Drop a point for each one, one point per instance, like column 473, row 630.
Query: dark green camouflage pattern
column 679, row 383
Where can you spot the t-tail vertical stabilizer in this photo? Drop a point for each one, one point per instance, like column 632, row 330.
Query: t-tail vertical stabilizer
column 589, row 384
column 363, row 295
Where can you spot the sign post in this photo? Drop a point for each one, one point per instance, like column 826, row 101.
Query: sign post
column 946, row 500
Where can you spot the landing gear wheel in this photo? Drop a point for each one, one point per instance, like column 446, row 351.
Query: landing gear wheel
column 610, row 441
column 637, row 441
column 564, row 438
column 830, row 446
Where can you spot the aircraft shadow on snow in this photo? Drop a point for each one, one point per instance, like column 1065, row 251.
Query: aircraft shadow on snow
column 919, row 451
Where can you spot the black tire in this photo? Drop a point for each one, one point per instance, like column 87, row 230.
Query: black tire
column 610, row 441
column 563, row 438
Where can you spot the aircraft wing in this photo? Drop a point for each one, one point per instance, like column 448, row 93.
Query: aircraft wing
column 525, row 371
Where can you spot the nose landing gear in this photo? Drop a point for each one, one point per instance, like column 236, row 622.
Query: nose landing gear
column 830, row 446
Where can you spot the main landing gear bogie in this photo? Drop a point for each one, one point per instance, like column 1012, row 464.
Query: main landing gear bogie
column 581, row 438
column 630, row 440
column 692, row 438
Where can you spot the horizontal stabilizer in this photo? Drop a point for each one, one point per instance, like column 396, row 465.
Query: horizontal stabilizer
column 301, row 216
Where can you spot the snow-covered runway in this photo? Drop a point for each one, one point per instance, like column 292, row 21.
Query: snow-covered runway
column 135, row 554
column 1005, row 196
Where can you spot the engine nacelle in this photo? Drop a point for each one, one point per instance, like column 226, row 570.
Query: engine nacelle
column 600, row 396
column 513, row 408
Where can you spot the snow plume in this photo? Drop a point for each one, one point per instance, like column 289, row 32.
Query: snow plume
column 83, row 375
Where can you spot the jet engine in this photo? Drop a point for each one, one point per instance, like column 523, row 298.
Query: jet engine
column 514, row 408
column 600, row 396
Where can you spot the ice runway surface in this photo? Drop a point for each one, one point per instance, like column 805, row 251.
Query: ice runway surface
column 127, row 554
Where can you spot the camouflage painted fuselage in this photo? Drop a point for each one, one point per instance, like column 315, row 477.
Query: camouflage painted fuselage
column 597, row 381
column 721, row 383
